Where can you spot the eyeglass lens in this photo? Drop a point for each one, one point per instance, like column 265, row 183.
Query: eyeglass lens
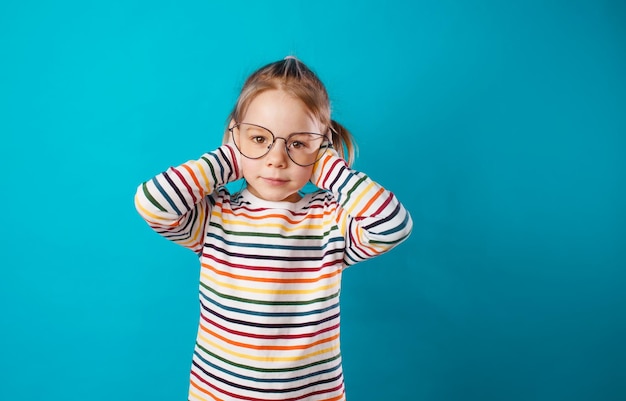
column 254, row 142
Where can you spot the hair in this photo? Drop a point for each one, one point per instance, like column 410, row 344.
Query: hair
column 295, row 78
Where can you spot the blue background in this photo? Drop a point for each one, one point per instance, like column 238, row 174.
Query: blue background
column 500, row 125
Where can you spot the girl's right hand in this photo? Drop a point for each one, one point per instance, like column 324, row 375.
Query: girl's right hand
column 230, row 141
column 324, row 163
column 235, row 157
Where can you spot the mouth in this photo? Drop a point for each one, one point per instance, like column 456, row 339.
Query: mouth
column 274, row 181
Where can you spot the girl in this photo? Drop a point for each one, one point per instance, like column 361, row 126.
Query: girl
column 272, row 257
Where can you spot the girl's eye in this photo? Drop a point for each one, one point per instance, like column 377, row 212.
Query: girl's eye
column 297, row 145
column 258, row 139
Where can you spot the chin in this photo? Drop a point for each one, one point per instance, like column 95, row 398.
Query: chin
column 279, row 197
column 294, row 197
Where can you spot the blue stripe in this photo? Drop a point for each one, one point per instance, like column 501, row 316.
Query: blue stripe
column 226, row 157
column 389, row 217
column 175, row 188
column 181, row 233
column 222, row 175
column 260, row 380
column 166, row 196
column 269, row 325
column 269, row 314
column 269, row 390
column 271, row 246
column 256, row 257
column 337, row 176
column 341, row 187
column 398, row 227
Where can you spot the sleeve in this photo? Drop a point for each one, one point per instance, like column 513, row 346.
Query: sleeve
column 370, row 217
column 175, row 203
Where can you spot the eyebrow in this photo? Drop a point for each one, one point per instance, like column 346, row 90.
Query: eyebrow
column 273, row 133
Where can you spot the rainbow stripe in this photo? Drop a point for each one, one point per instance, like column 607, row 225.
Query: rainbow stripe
column 270, row 273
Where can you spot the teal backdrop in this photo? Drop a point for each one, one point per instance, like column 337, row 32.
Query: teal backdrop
column 501, row 125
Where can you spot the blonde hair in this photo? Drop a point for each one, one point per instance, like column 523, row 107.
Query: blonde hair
column 295, row 78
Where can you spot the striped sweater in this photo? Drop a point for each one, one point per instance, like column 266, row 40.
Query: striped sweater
column 270, row 272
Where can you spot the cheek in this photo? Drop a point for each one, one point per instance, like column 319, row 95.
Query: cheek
column 248, row 165
column 304, row 174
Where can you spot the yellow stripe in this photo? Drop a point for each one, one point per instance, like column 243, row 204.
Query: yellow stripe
column 186, row 243
column 204, row 176
column 194, row 395
column 342, row 223
column 358, row 199
column 264, row 225
column 200, row 222
column 267, row 358
column 157, row 219
column 267, row 291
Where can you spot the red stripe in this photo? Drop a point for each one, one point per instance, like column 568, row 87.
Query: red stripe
column 262, row 209
column 234, row 159
column 331, row 169
column 383, row 206
column 241, row 397
column 194, row 178
column 270, row 337
column 279, row 216
column 271, row 269
column 295, row 347
column 182, row 179
column 370, row 202
column 356, row 242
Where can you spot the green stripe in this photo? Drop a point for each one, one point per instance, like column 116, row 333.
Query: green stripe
column 212, row 171
column 349, row 193
column 151, row 199
column 267, row 370
column 267, row 235
column 387, row 242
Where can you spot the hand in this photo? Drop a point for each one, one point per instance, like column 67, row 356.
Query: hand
column 324, row 163
column 234, row 156
column 229, row 141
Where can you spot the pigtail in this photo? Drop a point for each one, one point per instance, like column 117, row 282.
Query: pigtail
column 343, row 142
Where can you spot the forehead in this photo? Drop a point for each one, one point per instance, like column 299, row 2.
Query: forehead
column 281, row 112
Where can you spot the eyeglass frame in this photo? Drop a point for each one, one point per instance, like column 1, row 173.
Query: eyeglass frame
column 269, row 148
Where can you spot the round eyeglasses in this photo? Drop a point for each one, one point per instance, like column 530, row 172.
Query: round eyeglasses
column 303, row 148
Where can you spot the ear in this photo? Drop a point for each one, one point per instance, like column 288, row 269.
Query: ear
column 333, row 136
column 228, row 137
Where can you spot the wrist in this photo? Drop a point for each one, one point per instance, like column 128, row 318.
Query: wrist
column 233, row 157
column 324, row 167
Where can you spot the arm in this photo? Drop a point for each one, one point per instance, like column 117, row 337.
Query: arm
column 175, row 203
column 371, row 219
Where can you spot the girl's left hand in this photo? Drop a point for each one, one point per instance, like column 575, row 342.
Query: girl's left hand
column 322, row 164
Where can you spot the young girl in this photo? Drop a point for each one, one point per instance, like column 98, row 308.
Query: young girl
column 272, row 257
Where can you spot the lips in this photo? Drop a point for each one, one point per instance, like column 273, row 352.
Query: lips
column 274, row 181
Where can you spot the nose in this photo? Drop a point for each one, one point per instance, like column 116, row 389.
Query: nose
column 277, row 155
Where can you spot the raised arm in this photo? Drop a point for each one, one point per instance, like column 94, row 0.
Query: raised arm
column 175, row 203
column 371, row 218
